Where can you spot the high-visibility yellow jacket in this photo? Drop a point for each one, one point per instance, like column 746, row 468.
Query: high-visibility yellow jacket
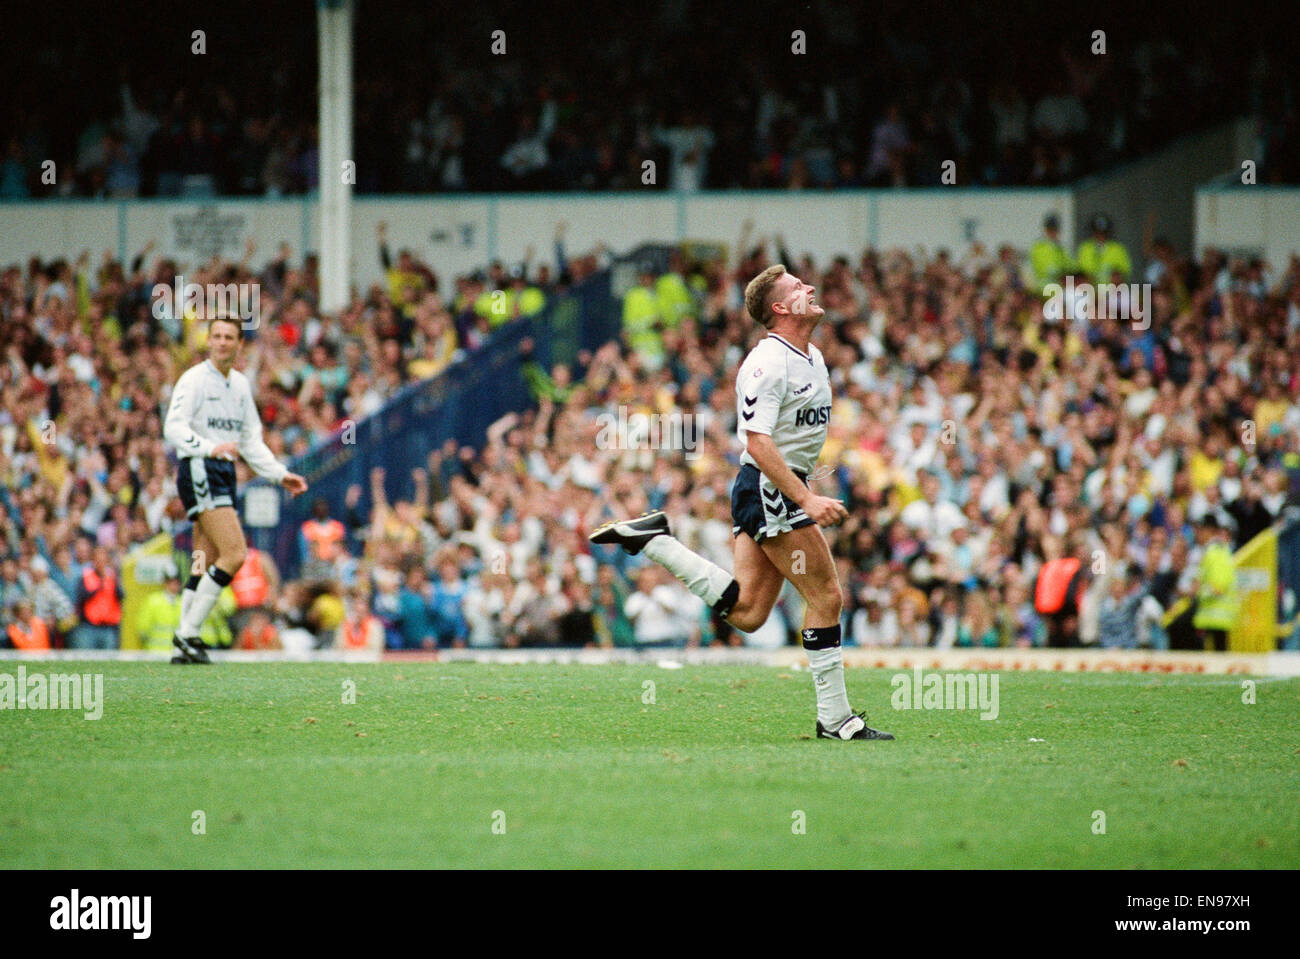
column 1100, row 261
column 673, row 298
column 1049, row 262
column 1216, row 599
column 640, row 314
column 158, row 619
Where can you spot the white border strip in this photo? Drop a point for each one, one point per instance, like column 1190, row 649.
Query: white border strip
column 790, row 657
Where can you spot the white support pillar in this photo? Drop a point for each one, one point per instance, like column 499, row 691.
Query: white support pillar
column 334, row 25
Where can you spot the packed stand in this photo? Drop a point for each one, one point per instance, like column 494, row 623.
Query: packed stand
column 90, row 353
column 986, row 443
column 983, row 448
column 990, row 452
column 703, row 90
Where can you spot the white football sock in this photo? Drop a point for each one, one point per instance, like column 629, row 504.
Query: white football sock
column 706, row 580
column 827, row 666
column 206, row 595
column 187, row 600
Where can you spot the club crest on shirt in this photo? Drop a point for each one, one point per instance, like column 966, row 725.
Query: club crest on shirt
column 758, row 372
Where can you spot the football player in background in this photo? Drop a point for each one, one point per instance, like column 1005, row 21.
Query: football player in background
column 212, row 418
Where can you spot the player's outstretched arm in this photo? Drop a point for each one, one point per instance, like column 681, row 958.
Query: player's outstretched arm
column 822, row 510
column 259, row 457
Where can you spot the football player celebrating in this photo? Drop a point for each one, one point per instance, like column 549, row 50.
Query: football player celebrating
column 210, row 419
column 783, row 404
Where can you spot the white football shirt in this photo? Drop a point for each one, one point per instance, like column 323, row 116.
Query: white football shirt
column 786, row 394
column 207, row 409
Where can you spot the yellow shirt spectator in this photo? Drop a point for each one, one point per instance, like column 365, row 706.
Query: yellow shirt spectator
column 1032, row 339
column 326, row 612
column 1205, row 470
column 436, row 358
column 53, row 466
column 496, row 305
column 640, row 316
column 400, row 280
column 673, row 298
column 531, row 301
column 1268, row 412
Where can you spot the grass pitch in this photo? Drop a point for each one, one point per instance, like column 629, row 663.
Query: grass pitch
column 470, row 765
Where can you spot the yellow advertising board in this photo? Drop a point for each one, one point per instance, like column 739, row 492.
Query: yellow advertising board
column 1256, row 629
column 142, row 573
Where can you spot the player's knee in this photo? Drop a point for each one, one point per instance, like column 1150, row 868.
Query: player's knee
column 231, row 559
column 828, row 600
column 745, row 620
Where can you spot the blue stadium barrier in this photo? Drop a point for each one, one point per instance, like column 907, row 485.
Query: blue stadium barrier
column 1288, row 579
column 459, row 404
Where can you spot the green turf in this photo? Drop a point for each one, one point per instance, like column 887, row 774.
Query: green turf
column 709, row 775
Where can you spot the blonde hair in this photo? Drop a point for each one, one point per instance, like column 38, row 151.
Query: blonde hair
column 758, row 292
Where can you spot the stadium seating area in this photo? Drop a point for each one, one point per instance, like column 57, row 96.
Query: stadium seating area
column 975, row 439
column 709, row 96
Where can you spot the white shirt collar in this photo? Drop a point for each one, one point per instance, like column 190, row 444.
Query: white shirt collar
column 777, row 336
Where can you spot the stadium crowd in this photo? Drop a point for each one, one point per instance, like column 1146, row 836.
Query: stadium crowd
column 979, row 439
column 89, row 355
column 976, row 437
column 889, row 97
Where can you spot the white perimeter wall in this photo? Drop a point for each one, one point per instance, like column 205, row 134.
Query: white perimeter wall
column 1162, row 187
column 461, row 233
column 1250, row 221
column 456, row 234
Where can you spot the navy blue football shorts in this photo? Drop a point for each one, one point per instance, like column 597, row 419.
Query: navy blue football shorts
column 760, row 509
column 205, row 484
